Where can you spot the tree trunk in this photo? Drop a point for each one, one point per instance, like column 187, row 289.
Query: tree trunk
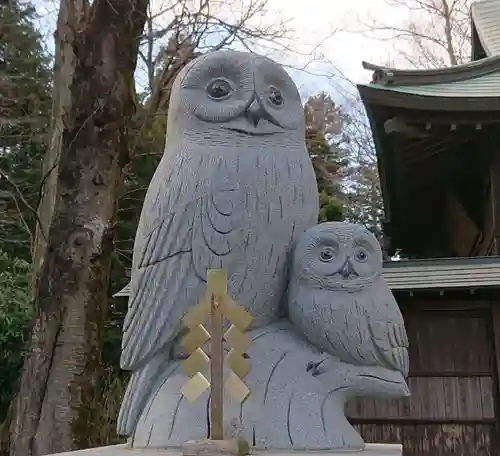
column 71, row 18
column 51, row 409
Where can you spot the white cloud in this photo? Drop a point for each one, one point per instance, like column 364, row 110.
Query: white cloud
column 312, row 22
column 327, row 23
column 316, row 19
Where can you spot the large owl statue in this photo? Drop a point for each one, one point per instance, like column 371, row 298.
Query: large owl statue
column 234, row 189
column 339, row 300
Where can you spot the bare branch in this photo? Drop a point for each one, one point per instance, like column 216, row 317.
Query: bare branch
column 436, row 33
column 17, row 197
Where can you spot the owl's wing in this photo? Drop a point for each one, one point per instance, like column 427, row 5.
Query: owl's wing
column 387, row 330
column 195, row 227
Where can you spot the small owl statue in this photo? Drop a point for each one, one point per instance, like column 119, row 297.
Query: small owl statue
column 339, row 300
column 234, row 190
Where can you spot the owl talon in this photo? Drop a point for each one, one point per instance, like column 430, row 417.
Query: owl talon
column 315, row 368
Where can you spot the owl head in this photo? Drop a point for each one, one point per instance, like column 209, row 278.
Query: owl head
column 243, row 94
column 337, row 256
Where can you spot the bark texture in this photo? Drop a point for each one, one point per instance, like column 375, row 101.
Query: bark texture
column 61, row 364
column 71, row 19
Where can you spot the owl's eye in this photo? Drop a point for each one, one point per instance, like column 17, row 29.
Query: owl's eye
column 275, row 96
column 219, row 89
column 327, row 254
column 361, row 255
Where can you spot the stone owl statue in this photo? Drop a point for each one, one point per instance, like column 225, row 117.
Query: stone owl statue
column 234, row 189
column 339, row 300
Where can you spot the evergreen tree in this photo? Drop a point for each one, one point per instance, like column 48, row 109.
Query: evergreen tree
column 363, row 195
column 147, row 141
column 324, row 124
column 24, row 117
column 15, row 313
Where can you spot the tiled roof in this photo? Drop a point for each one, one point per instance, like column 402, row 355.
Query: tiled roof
column 478, row 79
column 445, row 273
column 483, row 86
column 486, row 18
column 439, row 273
column 473, row 80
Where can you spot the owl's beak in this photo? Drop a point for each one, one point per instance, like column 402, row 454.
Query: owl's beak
column 347, row 270
column 254, row 121
column 254, row 113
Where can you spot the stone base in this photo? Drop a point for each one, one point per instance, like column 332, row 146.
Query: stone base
column 208, row 447
column 371, row 449
column 289, row 408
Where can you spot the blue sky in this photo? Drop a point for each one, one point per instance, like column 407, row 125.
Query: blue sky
column 333, row 23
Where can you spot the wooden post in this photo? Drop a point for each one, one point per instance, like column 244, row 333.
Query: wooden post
column 495, row 203
column 496, row 346
column 218, row 305
column 216, row 370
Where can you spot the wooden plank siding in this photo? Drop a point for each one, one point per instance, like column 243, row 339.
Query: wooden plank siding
column 453, row 380
column 434, row 440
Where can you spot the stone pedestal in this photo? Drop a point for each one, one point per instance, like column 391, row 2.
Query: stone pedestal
column 371, row 449
column 290, row 408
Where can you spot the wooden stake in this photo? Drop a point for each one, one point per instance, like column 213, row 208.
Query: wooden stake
column 218, row 305
column 216, row 370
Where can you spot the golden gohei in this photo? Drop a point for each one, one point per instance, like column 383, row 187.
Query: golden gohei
column 217, row 306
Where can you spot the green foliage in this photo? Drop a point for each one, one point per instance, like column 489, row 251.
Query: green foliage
column 15, row 315
column 24, row 117
column 25, row 75
column 103, row 408
column 324, row 124
column 330, row 209
column 147, row 134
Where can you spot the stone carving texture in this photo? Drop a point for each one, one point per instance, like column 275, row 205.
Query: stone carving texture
column 291, row 407
column 234, row 189
column 340, row 301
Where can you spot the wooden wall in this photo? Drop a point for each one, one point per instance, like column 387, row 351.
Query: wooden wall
column 462, row 232
column 468, row 237
column 452, row 410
